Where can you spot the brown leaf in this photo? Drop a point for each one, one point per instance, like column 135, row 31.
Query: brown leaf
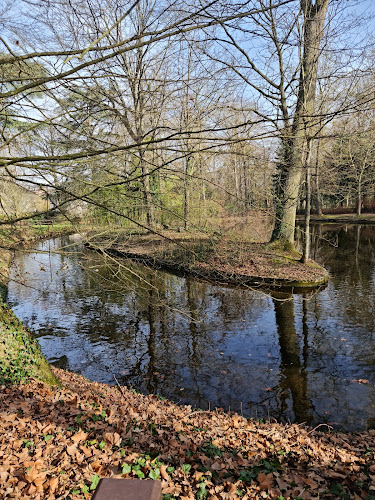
column 163, row 472
column 177, row 427
column 38, row 481
column 53, row 484
column 310, row 482
column 265, row 480
column 113, row 438
column 86, row 451
column 275, row 493
column 97, row 465
column 79, row 436
column 31, row 490
column 35, row 476
column 31, row 474
column 71, row 449
column 3, row 477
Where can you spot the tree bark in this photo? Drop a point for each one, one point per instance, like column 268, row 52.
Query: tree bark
column 294, row 138
column 306, row 229
column 359, row 197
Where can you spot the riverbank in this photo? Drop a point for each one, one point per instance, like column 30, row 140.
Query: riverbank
column 14, row 236
column 217, row 259
column 57, row 442
column 341, row 218
column 20, row 354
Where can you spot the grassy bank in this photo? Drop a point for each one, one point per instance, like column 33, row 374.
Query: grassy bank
column 342, row 218
column 20, row 355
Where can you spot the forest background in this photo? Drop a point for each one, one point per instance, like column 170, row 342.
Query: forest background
column 175, row 115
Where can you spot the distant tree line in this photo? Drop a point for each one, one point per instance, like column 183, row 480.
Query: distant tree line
column 170, row 114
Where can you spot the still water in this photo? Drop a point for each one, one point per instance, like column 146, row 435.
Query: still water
column 305, row 358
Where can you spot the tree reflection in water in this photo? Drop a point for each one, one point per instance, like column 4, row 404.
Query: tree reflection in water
column 293, row 379
column 291, row 357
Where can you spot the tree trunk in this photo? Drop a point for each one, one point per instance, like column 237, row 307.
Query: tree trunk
column 318, row 205
column 306, row 229
column 359, row 198
column 147, row 195
column 294, row 138
column 287, row 200
column 187, row 182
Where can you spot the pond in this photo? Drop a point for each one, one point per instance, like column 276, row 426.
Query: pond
column 305, row 358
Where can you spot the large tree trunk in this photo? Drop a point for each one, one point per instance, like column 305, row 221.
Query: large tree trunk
column 306, row 229
column 294, row 138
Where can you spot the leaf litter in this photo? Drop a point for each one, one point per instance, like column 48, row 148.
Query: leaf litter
column 56, row 443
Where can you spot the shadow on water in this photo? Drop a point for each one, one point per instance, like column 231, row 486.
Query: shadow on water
column 305, row 358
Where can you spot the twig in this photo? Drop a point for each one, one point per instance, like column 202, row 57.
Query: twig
column 119, row 386
column 320, row 425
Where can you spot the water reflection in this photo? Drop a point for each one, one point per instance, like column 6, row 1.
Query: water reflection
column 305, row 358
column 293, row 378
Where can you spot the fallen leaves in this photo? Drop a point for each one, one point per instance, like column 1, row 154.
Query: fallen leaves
column 265, row 480
column 114, row 439
column 79, row 436
column 58, row 442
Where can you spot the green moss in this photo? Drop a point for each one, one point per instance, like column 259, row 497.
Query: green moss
column 3, row 291
column 284, row 246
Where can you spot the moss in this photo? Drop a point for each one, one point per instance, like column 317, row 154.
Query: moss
column 284, row 246
column 3, row 291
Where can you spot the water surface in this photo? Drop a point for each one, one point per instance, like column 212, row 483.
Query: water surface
column 306, row 358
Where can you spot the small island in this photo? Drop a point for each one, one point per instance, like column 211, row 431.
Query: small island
column 217, row 259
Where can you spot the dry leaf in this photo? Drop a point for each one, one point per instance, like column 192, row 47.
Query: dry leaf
column 313, row 485
column 53, row 484
column 113, row 438
column 265, row 480
column 71, row 449
column 79, row 436
column 163, row 472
